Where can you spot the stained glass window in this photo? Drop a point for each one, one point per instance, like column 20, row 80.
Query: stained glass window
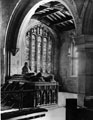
column 33, row 38
column 49, row 59
column 40, row 49
column 44, row 54
column 38, row 53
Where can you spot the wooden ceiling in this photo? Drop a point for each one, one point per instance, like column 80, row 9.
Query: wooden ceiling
column 55, row 15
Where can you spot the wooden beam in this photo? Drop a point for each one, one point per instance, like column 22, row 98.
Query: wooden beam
column 41, row 14
column 67, row 27
column 62, row 20
column 40, row 8
column 52, row 4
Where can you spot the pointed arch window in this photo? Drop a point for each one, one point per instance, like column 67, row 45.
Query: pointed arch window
column 40, row 50
column 49, row 58
column 44, row 55
column 73, row 60
column 39, row 53
column 32, row 52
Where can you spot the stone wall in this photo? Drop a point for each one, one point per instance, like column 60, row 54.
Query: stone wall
column 68, row 82
column 6, row 9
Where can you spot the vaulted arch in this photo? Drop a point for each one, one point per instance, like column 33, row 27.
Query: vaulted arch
column 21, row 16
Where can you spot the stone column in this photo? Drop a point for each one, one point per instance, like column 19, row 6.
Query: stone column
column 85, row 77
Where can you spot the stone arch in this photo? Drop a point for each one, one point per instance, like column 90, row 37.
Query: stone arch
column 20, row 17
column 22, row 9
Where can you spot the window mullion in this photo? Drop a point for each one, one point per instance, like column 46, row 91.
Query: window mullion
column 30, row 50
column 41, row 55
column 47, row 54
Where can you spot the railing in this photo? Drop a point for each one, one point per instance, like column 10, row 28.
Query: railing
column 40, row 96
column 14, row 97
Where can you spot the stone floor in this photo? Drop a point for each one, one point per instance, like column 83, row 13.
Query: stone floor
column 58, row 113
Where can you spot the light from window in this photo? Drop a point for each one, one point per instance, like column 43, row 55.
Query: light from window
column 32, row 52
column 40, row 49
column 74, row 60
column 38, row 53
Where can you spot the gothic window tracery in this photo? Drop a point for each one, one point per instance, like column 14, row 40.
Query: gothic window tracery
column 40, row 49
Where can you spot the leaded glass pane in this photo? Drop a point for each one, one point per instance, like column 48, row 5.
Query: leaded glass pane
column 41, row 29
column 44, row 54
column 38, row 53
column 39, row 48
column 33, row 53
column 38, row 30
column 35, row 30
column 49, row 56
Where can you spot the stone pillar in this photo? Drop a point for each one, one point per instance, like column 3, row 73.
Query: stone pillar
column 85, row 77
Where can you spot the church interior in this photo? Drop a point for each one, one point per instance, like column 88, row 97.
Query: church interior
column 46, row 59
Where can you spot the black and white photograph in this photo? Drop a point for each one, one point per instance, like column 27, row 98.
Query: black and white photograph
column 46, row 59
